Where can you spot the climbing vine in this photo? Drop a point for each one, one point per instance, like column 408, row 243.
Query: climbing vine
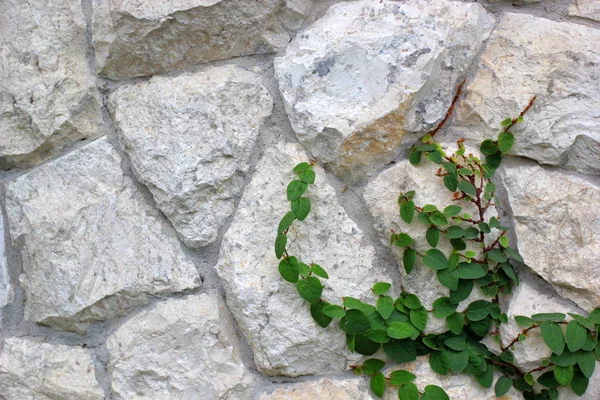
column 480, row 257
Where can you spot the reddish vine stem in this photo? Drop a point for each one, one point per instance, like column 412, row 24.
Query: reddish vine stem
column 450, row 109
column 521, row 114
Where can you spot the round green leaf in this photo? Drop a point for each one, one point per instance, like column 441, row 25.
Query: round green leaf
column 566, row 359
column 408, row 259
column 486, row 378
column 403, row 240
column 579, row 384
column 576, row 336
column 280, row 243
column 310, row 289
column 583, row 321
column 301, row 208
column 307, row 176
column 547, row 380
column 296, row 189
column 553, row 336
column 412, row 301
column 467, row 188
column 432, row 236
column 594, row 316
column 458, row 244
column 471, row 233
column 400, row 377
column 448, row 278
column 433, row 392
column 350, row 302
column 373, row 366
column 334, row 311
column 289, row 269
column 317, row 270
column 414, row 157
column 286, row 222
column 563, row 375
column 451, row 183
column 407, row 211
column 488, row 147
column 524, row 322
column 303, row 166
column 471, row 271
column 458, row 360
column 455, row 232
column 381, row 288
column 437, row 218
column 456, row 343
column 503, row 385
column 401, row 351
column 442, row 307
column 478, row 310
column 435, row 260
column 452, row 211
column 304, row 270
column 465, row 287
column 418, row 318
column 378, row 384
column 409, row 391
column 505, row 141
column 438, row 361
column 496, row 255
column 385, row 306
column 586, row 362
column 316, row 311
column 365, row 346
column 355, row 322
column 378, row 335
column 455, row 323
column 401, row 330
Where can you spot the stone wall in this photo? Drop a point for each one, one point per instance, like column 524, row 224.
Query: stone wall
column 145, row 148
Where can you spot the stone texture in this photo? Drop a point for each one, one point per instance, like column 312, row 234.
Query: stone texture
column 368, row 72
column 556, row 218
column 92, row 247
column 190, row 140
column 6, row 290
column 586, row 9
column 43, row 371
column 273, row 317
column 330, row 389
column 182, row 348
column 381, row 196
column 559, row 63
column 146, row 38
column 47, row 95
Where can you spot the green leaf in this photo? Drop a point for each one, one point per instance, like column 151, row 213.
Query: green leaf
column 576, row 336
column 465, row 287
column 547, row 380
column 435, row 156
column 400, row 377
column 438, row 361
column 458, row 244
column 442, row 307
column 452, row 211
column 303, row 166
column 484, row 227
column 401, row 330
column 553, row 336
column 396, row 316
column 557, row 317
column 486, row 378
column 507, row 356
column 435, row 260
column 586, row 362
column 401, row 351
column 433, row 392
column 316, row 311
column 286, row 222
column 451, row 182
column 403, row 240
column 310, row 289
column 512, row 253
column 455, row 232
column 566, row 359
column 427, row 147
column 378, row 384
column 415, row 157
column 450, row 167
column 280, row 243
column 437, row 218
column 296, row 189
column 378, row 335
column 418, row 318
column 301, row 208
column 455, row 323
column 448, row 278
column 289, row 269
column 381, row 288
column 307, row 176
column 579, row 384
column 304, row 270
column 429, row 208
column 488, row 147
column 424, row 218
column 563, row 375
column 355, row 322
column 496, row 255
column 471, row 233
column 471, row 271
column 465, row 172
column 409, row 391
column 506, row 122
column 334, row 311
column 478, row 310
column 408, row 259
column 510, row 272
column 351, row 302
column 458, row 360
column 351, row 342
column 412, row 301
column 494, row 160
column 385, row 306
column 373, row 366
column 317, row 270
column 583, row 321
column 453, row 260
column 505, row 141
column 407, row 211
column 432, row 236
column 524, row 322
column 529, row 379
column 456, row 343
column 594, row 316
column 467, row 188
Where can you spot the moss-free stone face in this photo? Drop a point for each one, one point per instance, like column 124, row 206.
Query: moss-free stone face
column 92, row 246
column 33, row 370
column 149, row 37
column 48, row 98
column 370, row 72
column 190, row 140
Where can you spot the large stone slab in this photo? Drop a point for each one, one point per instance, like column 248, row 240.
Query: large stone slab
column 48, row 98
column 330, row 389
column 273, row 317
column 92, row 246
column 182, row 348
column 6, row 290
column 381, row 196
column 556, row 222
column 368, row 72
column 556, row 61
column 43, row 371
column 585, row 9
column 190, row 140
column 147, row 38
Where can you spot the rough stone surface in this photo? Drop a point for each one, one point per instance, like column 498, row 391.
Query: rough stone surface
column 91, row 245
column 330, row 389
column 528, row 300
column 47, row 95
column 43, row 371
column 190, row 139
column 182, row 348
column 585, row 9
column 556, row 217
column 274, row 318
column 6, row 290
column 146, row 38
column 381, row 196
column 368, row 72
column 559, row 63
